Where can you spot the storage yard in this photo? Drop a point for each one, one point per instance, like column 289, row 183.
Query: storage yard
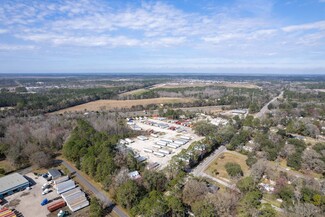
column 44, row 197
column 165, row 139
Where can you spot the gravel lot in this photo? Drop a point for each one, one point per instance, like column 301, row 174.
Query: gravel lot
column 28, row 202
column 139, row 145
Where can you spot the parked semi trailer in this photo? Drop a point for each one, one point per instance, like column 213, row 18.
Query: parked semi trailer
column 159, row 154
column 55, row 206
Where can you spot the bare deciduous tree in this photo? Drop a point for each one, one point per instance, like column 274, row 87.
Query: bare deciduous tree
column 193, row 191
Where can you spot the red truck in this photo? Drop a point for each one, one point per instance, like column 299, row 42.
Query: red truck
column 57, row 205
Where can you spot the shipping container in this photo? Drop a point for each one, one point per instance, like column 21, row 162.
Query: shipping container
column 55, row 206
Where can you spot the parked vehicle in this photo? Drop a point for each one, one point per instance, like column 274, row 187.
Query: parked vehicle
column 44, row 202
column 45, row 186
column 46, row 191
column 63, row 213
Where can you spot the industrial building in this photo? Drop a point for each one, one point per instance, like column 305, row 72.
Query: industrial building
column 12, row 183
column 75, row 199
column 65, row 186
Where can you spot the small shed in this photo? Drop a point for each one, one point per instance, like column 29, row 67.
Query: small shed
column 54, row 173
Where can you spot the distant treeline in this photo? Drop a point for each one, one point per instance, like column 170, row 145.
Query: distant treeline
column 55, row 99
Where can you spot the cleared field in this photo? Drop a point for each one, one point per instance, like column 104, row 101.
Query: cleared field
column 217, row 167
column 202, row 84
column 118, row 104
column 320, row 90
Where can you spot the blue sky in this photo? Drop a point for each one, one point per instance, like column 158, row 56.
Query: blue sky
column 224, row 36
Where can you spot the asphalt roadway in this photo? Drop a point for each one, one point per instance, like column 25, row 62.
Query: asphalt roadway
column 98, row 193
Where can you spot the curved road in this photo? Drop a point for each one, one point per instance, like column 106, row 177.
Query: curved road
column 98, row 193
column 265, row 107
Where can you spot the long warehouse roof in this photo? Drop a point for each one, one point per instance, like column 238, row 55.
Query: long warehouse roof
column 11, row 181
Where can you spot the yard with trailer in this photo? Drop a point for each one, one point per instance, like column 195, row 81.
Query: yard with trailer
column 165, row 140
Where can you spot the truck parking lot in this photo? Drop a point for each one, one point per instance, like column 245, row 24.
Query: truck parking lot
column 165, row 141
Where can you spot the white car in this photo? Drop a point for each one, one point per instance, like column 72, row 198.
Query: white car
column 45, row 191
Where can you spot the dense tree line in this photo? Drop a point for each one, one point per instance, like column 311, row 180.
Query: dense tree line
column 28, row 104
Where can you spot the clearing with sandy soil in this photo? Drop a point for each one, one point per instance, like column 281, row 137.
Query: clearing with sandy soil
column 118, row 104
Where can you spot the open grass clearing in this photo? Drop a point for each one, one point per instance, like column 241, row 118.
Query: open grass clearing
column 99, row 105
column 217, row 167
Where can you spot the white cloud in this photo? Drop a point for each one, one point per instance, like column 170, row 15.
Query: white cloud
column 12, row 47
column 309, row 26
column 2, row 31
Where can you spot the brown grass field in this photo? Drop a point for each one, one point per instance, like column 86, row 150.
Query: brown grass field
column 118, row 104
column 218, row 166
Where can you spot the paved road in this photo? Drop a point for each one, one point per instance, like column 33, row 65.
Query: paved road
column 199, row 170
column 98, row 193
column 265, row 107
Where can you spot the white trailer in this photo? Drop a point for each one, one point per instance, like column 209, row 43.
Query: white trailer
column 129, row 140
column 154, row 135
column 143, row 138
column 147, row 150
column 180, row 142
column 156, row 146
column 167, row 140
column 159, row 154
column 161, row 143
column 172, row 145
column 186, row 137
column 164, row 151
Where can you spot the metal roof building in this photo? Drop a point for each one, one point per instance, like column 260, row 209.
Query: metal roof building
column 75, row 199
column 12, row 183
column 65, row 186
column 54, row 173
